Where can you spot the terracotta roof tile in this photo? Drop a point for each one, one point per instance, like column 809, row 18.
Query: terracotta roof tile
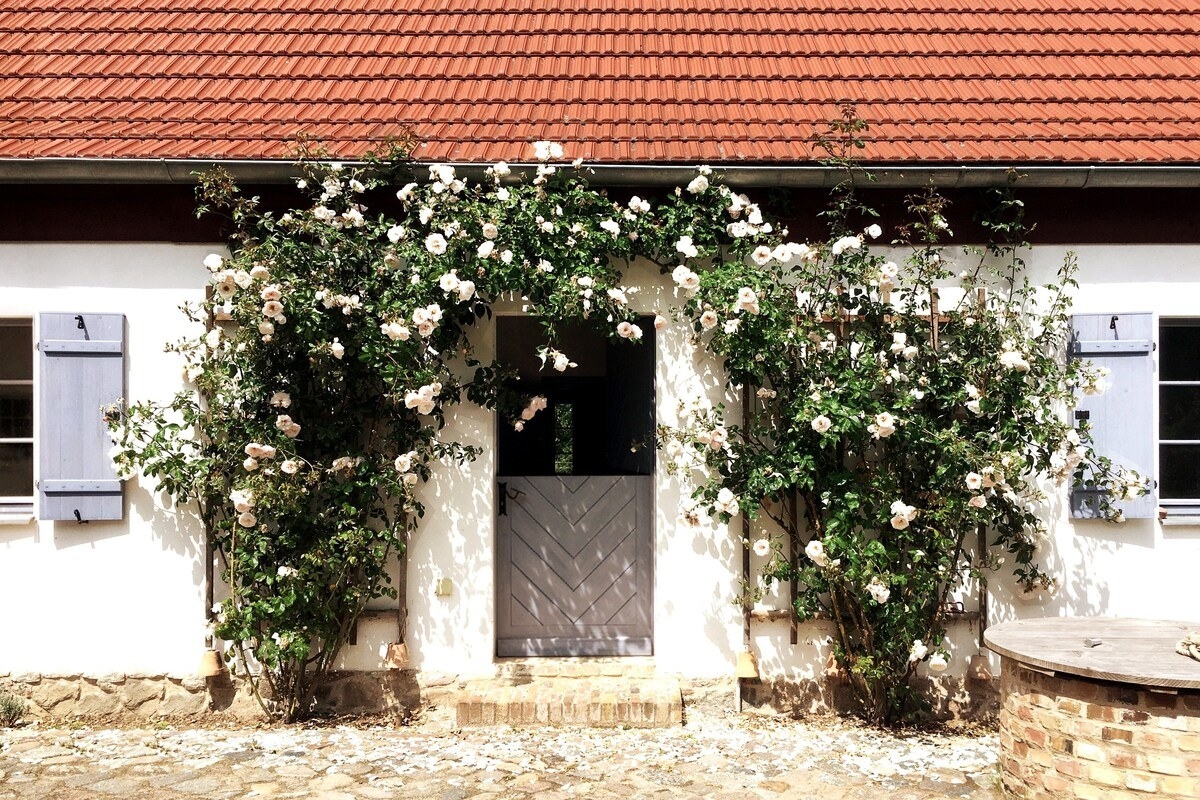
column 1104, row 81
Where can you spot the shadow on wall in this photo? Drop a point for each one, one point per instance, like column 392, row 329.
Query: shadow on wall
column 459, row 507
column 178, row 530
column 1084, row 590
column 10, row 533
column 686, row 377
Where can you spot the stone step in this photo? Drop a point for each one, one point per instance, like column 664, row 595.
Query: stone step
column 521, row 670
column 603, row 702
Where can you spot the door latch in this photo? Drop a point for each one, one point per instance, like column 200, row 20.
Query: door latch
column 506, row 494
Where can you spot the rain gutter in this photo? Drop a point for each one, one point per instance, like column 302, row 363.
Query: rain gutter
column 900, row 176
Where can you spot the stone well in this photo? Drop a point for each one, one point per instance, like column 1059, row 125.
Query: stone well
column 1097, row 709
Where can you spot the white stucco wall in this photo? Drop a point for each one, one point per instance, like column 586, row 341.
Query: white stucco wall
column 127, row 596
column 106, row 596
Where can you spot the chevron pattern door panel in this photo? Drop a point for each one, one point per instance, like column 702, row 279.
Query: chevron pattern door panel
column 574, row 566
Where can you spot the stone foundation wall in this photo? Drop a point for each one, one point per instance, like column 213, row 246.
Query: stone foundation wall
column 407, row 692
column 949, row 698
column 83, row 695
column 1069, row 737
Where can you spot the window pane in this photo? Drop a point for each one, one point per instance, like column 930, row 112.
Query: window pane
column 1179, row 412
column 564, row 439
column 16, row 412
column 1180, row 465
column 1179, row 357
column 16, row 470
column 16, row 351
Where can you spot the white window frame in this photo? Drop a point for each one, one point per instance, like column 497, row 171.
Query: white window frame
column 1180, row 510
column 21, row 506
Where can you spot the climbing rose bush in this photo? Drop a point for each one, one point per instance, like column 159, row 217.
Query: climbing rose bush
column 900, row 398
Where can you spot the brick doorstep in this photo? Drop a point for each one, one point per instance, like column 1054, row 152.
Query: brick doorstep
column 604, row 702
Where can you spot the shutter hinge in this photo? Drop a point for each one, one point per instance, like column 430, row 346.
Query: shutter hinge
column 1083, row 415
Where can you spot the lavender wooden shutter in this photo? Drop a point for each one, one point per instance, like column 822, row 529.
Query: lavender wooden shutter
column 82, row 369
column 1122, row 418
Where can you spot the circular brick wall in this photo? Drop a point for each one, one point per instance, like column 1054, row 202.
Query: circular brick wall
column 1064, row 736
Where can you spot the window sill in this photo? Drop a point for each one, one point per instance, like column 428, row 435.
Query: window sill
column 15, row 517
column 1192, row 520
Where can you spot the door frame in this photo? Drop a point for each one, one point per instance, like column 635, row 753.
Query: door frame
column 584, row 647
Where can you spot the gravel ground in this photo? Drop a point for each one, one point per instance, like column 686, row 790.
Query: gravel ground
column 714, row 755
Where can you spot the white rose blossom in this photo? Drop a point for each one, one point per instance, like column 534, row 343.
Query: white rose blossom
column 395, row 331
column 844, row 244
column 685, row 279
column 242, row 499
column 545, row 151
column 878, row 590
column 287, row 425
column 884, row 425
column 424, row 398
column 727, row 502
column 815, row 551
column 902, row 514
column 762, row 547
column 627, row 330
column 435, row 243
column 536, row 404
column 747, row 300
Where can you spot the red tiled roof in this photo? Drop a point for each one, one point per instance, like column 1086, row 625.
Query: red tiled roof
column 1085, row 81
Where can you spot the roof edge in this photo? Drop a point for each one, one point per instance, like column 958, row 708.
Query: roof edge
column 184, row 171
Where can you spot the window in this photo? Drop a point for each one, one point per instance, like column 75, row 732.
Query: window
column 1179, row 413
column 564, row 439
column 16, row 413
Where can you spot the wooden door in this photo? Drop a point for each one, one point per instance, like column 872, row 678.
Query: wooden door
column 575, row 556
column 574, row 562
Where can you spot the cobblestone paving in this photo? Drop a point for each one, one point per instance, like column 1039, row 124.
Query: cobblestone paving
column 719, row 756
